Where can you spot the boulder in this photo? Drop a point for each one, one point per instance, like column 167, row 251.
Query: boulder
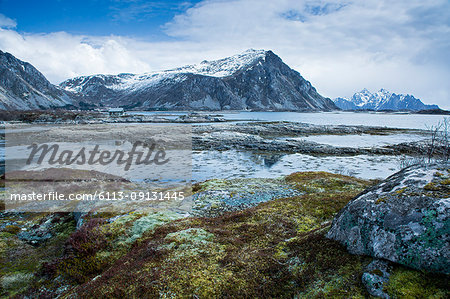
column 376, row 277
column 403, row 219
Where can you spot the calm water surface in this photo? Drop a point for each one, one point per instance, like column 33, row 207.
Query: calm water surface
column 390, row 120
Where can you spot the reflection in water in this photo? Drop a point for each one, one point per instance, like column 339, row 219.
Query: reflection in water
column 240, row 164
column 272, row 160
column 265, row 159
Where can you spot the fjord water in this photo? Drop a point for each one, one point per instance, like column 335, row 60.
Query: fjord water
column 233, row 164
column 378, row 119
column 362, row 140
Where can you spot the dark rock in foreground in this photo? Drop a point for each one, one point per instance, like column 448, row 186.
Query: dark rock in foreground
column 404, row 219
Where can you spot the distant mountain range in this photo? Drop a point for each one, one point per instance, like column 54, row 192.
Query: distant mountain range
column 382, row 100
column 23, row 87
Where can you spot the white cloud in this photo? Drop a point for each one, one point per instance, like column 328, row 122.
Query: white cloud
column 60, row 55
column 339, row 45
column 6, row 22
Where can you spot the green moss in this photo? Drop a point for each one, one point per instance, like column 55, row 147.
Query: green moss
column 401, row 191
column 320, row 181
column 332, row 287
column 81, row 268
column 431, row 186
column 16, row 282
column 407, row 283
column 276, row 249
column 12, row 229
column 323, row 207
column 210, row 184
column 21, row 262
column 150, row 222
column 5, row 235
column 382, row 199
column 321, row 275
column 190, row 236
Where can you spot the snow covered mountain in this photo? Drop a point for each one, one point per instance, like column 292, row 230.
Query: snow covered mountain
column 255, row 79
column 382, row 100
column 23, row 87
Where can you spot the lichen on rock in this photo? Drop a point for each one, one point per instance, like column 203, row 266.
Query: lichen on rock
column 403, row 219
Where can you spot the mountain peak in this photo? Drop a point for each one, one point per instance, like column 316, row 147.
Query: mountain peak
column 219, row 68
column 384, row 92
column 223, row 67
column 246, row 55
column 252, row 51
column 364, row 91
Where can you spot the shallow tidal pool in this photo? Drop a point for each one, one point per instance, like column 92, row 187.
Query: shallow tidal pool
column 363, row 140
column 242, row 164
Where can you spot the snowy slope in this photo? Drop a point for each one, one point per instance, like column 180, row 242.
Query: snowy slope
column 217, row 68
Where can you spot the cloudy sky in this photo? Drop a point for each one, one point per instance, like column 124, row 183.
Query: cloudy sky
column 341, row 46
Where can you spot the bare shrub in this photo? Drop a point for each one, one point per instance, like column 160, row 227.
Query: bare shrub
column 437, row 147
column 406, row 161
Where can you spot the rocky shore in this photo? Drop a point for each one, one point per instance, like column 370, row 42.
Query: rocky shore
column 286, row 137
column 97, row 117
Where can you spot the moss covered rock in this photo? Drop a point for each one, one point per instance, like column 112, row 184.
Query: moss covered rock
column 216, row 197
column 403, row 219
column 152, row 221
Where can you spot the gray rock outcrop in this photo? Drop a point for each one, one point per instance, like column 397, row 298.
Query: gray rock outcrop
column 403, row 219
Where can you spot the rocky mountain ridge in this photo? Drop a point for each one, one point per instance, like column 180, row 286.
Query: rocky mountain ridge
column 382, row 100
column 23, row 87
column 252, row 80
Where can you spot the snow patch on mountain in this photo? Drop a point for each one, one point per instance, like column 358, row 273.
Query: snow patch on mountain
column 217, row 68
